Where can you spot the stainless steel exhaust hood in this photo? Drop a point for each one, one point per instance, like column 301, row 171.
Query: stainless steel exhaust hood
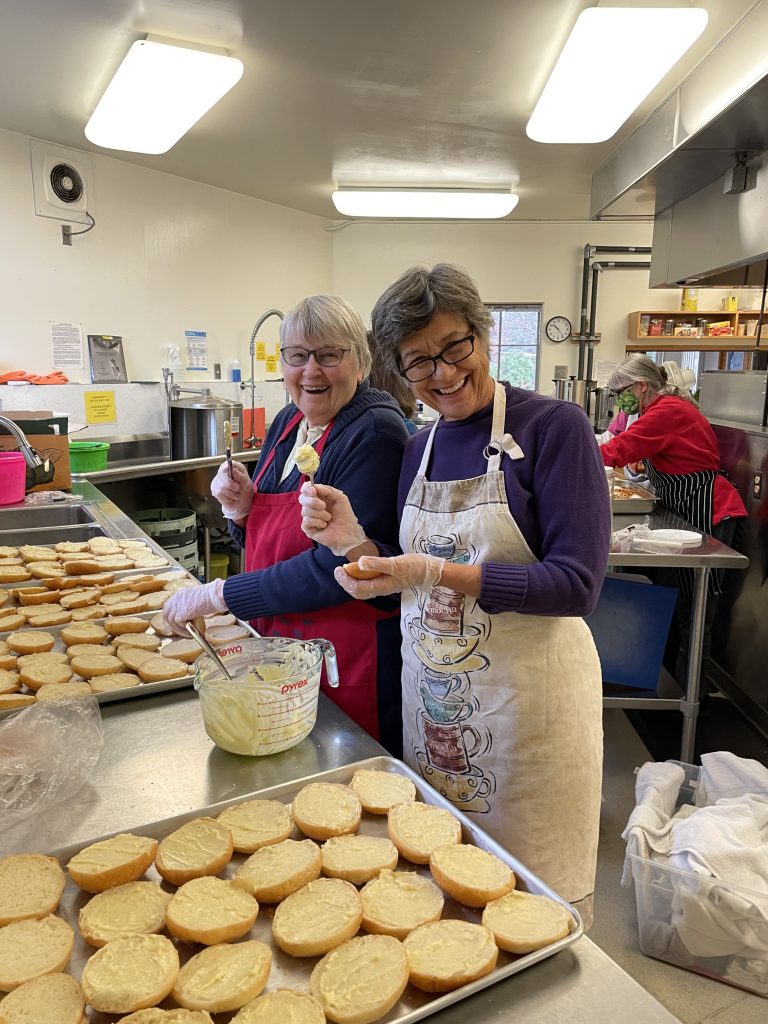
column 715, row 121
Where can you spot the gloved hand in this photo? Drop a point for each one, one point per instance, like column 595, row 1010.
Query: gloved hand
column 398, row 573
column 188, row 603
column 328, row 519
column 235, row 493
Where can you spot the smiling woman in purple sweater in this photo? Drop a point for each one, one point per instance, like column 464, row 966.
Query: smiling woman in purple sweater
column 504, row 524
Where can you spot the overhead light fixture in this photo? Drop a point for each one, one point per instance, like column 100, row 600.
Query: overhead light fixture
column 448, row 204
column 611, row 61
column 161, row 89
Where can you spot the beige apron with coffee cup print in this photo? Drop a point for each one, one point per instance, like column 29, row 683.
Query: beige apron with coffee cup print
column 502, row 714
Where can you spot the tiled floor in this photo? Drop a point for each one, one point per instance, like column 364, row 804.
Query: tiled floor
column 692, row 998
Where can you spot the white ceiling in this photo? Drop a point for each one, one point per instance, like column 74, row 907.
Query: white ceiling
column 335, row 92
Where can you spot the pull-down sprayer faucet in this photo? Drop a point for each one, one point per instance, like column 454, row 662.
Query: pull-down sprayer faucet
column 250, row 441
column 39, row 471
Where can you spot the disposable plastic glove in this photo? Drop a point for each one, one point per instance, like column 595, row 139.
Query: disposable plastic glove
column 399, row 573
column 328, row 519
column 190, row 602
column 235, row 493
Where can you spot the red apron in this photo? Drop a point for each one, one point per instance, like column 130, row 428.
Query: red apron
column 273, row 534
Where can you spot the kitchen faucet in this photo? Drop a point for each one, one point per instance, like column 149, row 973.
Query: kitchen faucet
column 250, row 441
column 39, row 471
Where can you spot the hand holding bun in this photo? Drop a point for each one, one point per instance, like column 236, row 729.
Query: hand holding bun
column 353, row 569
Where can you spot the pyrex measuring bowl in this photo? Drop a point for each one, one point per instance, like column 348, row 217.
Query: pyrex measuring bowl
column 270, row 704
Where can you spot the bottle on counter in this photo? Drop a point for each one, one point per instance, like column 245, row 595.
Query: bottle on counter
column 235, row 372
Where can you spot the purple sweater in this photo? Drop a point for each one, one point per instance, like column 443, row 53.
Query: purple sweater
column 557, row 495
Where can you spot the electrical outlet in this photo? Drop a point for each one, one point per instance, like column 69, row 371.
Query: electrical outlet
column 757, row 485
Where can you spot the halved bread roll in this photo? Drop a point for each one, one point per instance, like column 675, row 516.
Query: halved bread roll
column 361, row 980
column 472, row 876
column 353, row 569
column 201, row 847
column 176, row 1016
column 64, row 691
column 224, row 977
column 54, row 997
column 87, row 665
column 281, row 1005
column 274, row 872
column 157, row 668
column 10, row 681
column 257, row 823
column 448, row 954
column 398, row 901
column 522, row 922
column 136, row 908
column 325, row 809
column 315, row 919
column 417, row 829
column 30, row 949
column 31, row 885
column 146, row 641
column 209, row 911
column 111, row 862
column 130, row 974
column 114, row 681
column 16, row 700
column 358, row 859
column 380, row 791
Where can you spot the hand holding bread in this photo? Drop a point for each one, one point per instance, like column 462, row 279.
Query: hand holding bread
column 390, row 575
column 327, row 518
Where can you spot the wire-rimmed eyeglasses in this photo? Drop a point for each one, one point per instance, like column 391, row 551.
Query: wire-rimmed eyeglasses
column 295, row 356
column 455, row 352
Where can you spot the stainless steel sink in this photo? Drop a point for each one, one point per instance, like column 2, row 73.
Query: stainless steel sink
column 44, row 515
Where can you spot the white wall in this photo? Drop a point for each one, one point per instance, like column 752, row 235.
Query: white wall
column 511, row 262
column 166, row 255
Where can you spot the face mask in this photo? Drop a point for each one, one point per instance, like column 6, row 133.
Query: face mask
column 627, row 402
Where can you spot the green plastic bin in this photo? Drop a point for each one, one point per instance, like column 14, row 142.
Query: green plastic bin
column 87, row 456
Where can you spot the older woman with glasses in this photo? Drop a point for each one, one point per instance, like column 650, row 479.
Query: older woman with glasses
column 505, row 525
column 288, row 587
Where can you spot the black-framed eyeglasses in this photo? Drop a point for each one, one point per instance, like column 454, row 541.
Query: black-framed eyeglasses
column 294, row 356
column 626, row 387
column 455, row 352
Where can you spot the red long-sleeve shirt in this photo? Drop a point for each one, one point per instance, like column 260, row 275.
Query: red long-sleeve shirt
column 678, row 439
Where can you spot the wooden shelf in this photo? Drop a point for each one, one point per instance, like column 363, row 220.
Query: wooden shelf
column 725, row 343
column 694, row 342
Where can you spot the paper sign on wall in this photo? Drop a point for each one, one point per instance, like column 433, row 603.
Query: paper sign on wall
column 197, row 349
column 261, row 350
column 271, row 364
column 100, row 407
column 66, row 345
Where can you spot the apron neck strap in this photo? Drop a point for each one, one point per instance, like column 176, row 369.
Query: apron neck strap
column 497, row 429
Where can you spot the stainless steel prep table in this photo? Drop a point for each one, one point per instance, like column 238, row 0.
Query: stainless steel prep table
column 158, row 761
column 710, row 554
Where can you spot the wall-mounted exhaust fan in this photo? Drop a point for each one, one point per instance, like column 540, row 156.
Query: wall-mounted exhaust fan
column 62, row 183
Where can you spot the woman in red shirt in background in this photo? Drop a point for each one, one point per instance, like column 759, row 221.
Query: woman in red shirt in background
column 682, row 458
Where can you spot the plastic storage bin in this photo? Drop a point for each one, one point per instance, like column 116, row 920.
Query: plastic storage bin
column 88, row 456
column 13, row 476
column 680, row 914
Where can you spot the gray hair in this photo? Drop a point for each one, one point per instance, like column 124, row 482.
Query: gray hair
column 640, row 368
column 330, row 320
column 409, row 304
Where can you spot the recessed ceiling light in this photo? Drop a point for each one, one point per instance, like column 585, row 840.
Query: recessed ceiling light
column 448, row 204
column 611, row 61
column 159, row 91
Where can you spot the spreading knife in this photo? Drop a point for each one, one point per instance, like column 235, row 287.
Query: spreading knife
column 228, row 444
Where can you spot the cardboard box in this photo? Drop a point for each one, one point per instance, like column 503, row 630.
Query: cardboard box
column 47, row 433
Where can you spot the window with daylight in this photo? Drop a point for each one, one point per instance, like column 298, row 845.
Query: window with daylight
column 514, row 340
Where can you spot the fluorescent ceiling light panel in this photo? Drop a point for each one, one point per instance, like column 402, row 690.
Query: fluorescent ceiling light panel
column 159, row 91
column 448, row 204
column 611, row 61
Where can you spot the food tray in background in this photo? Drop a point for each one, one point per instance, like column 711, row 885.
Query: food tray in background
column 630, row 498
column 141, row 689
column 290, row 972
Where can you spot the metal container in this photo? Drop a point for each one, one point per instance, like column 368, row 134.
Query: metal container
column 197, row 426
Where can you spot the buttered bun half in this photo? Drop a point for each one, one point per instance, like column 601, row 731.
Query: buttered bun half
column 361, row 980
column 201, row 847
column 130, row 974
column 281, row 1005
column 111, row 862
column 417, row 830
column 473, row 877
column 522, row 922
column 398, row 901
column 176, row 1016
column 315, row 919
column 353, row 569
column 448, row 954
column 209, row 911
column 325, row 809
column 137, row 908
column 224, row 977
column 380, row 791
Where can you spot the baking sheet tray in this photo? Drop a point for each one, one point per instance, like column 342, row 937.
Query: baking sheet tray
column 141, row 689
column 638, row 502
column 289, row 972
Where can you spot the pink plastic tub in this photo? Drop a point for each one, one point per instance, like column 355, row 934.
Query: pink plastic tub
column 13, row 472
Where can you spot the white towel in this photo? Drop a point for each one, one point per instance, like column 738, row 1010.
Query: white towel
column 723, row 774
column 648, row 830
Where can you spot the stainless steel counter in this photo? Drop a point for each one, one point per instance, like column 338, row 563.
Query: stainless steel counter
column 157, row 761
column 130, row 471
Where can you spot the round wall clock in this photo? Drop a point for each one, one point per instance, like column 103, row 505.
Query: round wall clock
column 558, row 328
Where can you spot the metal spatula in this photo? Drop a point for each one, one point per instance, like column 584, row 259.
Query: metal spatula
column 198, row 637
